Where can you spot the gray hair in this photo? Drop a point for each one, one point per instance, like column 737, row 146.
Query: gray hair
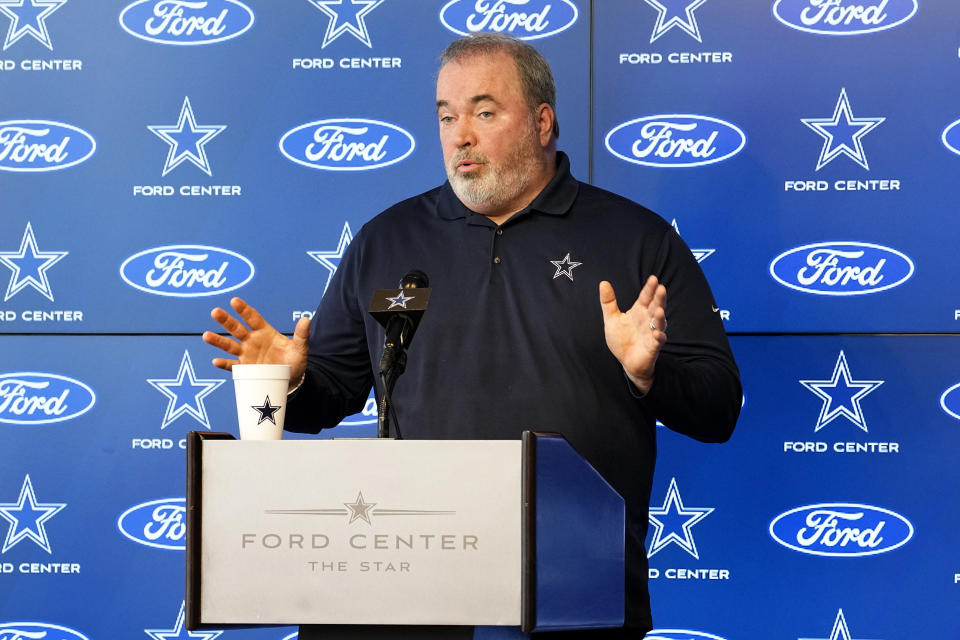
column 533, row 69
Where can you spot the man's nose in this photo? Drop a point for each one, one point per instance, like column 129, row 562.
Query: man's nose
column 464, row 134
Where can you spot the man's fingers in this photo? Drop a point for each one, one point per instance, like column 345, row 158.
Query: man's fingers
column 608, row 301
column 233, row 326
column 221, row 342
column 223, row 363
column 301, row 333
column 250, row 315
column 647, row 294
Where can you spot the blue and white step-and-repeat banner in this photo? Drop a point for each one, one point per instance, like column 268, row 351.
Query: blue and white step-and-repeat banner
column 160, row 156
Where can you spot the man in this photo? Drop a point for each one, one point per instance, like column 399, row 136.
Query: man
column 514, row 338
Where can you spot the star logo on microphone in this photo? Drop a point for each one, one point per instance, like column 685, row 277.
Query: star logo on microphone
column 672, row 523
column 842, row 133
column 179, row 633
column 400, row 300
column 346, row 16
column 266, row 411
column 27, row 517
column 187, row 140
column 185, row 393
column 29, row 17
column 331, row 259
column 565, row 267
column 841, row 395
column 29, row 266
column 676, row 13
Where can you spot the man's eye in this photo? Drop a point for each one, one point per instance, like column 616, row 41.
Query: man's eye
column 486, row 114
column 446, row 119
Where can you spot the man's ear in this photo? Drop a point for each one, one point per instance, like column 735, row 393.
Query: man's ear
column 544, row 119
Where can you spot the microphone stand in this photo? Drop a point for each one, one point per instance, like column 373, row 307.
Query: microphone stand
column 396, row 364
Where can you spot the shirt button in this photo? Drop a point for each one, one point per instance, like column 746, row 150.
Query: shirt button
column 499, row 232
column 496, row 260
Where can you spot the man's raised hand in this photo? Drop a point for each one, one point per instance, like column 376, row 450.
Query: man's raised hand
column 635, row 336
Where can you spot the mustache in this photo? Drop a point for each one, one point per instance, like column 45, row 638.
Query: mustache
column 467, row 155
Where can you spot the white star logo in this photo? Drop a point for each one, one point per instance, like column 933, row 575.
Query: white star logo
column 841, row 395
column 29, row 17
column 673, row 523
column 842, row 134
column 676, row 13
column 29, row 266
column 186, row 393
column 565, row 267
column 359, row 510
column 840, row 629
column 400, row 300
column 355, row 24
column 187, row 140
column 331, row 259
column 27, row 517
column 699, row 254
column 179, row 633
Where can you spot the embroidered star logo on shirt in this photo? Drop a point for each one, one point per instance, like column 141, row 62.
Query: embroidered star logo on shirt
column 331, row 259
column 842, row 134
column 29, row 266
column 346, row 16
column 27, row 517
column 400, row 300
column 179, row 633
column 360, row 510
column 673, row 523
column 186, row 393
column 840, row 629
column 187, row 140
column 266, row 411
column 29, row 17
column 676, row 13
column 565, row 267
column 841, row 395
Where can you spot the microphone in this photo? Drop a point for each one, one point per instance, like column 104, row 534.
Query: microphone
column 399, row 312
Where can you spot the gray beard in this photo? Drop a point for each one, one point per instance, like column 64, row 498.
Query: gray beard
column 500, row 185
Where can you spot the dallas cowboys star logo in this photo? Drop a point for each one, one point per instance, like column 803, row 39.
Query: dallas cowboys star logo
column 186, row 393
column 331, row 259
column 27, row 517
column 673, row 523
column 359, row 510
column 842, row 134
column 29, row 266
column 840, row 629
column 699, row 254
column 676, row 13
column 565, row 267
column 266, row 411
column 179, row 633
column 841, row 395
column 29, row 17
column 346, row 16
column 187, row 140
column 400, row 300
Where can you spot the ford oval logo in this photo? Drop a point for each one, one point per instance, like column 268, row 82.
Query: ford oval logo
column 187, row 271
column 841, row 268
column 23, row 630
column 951, row 137
column 348, row 144
column 841, row 529
column 42, row 145
column 42, row 398
column 843, row 17
column 675, row 140
column 679, row 634
column 186, row 22
column 161, row 524
column 523, row 19
column 950, row 401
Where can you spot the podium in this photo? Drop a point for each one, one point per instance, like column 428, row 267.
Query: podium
column 368, row 538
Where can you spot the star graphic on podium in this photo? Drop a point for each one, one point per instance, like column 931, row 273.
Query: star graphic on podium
column 842, row 134
column 672, row 523
column 359, row 510
column 346, row 16
column 565, row 267
column 267, row 411
column 841, row 395
column 676, row 13
column 187, row 140
column 29, row 17
column 400, row 300
column 29, row 266
column 331, row 259
column 27, row 517
column 179, row 633
column 840, row 629
column 186, row 393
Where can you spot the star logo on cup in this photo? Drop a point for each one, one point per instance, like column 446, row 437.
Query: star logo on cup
column 266, row 411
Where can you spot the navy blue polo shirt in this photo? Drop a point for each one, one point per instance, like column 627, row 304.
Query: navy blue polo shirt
column 513, row 338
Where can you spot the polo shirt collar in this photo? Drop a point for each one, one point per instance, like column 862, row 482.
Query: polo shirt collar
column 555, row 199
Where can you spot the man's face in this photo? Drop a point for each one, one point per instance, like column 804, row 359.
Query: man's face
column 491, row 146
